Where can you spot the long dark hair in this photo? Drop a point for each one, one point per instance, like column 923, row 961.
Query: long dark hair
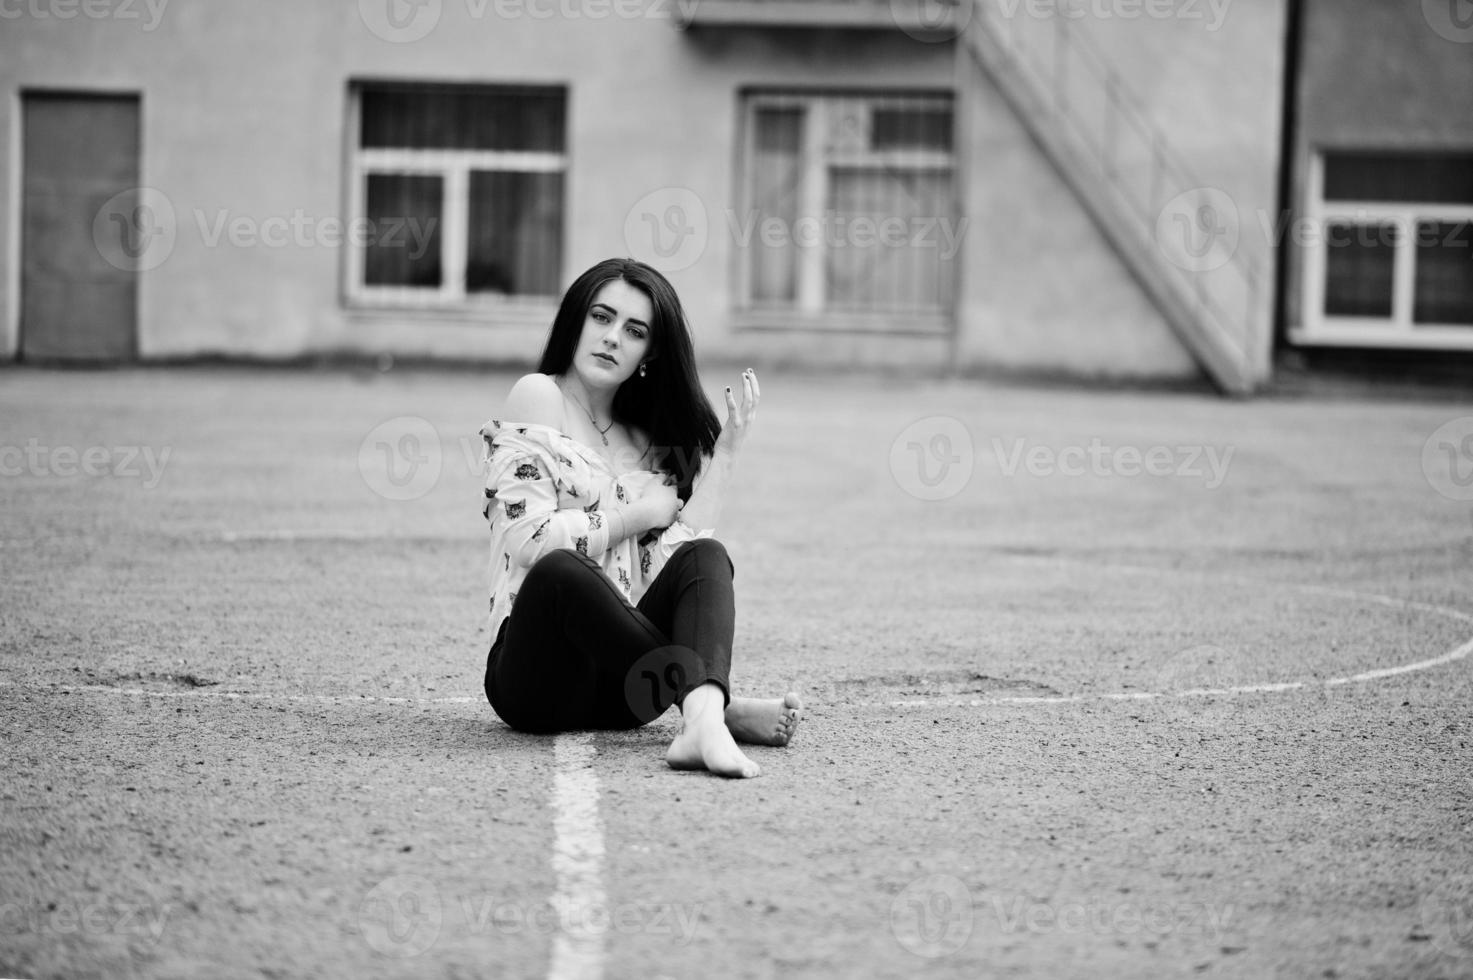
column 667, row 403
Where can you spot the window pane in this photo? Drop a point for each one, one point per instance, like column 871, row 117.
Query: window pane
column 855, row 194
column 911, row 129
column 404, row 213
column 1444, row 281
column 887, row 246
column 1428, row 178
column 1360, row 260
column 780, row 131
column 462, row 118
column 516, row 222
column 776, row 191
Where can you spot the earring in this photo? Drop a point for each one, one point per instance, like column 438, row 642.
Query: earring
column 642, row 369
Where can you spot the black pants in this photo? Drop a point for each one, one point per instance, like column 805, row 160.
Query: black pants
column 574, row 654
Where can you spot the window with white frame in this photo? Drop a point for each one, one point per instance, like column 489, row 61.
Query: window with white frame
column 456, row 194
column 849, row 207
column 1391, row 260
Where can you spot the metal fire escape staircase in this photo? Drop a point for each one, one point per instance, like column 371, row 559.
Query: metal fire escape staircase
column 1123, row 171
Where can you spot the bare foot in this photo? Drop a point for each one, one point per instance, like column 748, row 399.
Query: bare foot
column 764, row 721
column 704, row 742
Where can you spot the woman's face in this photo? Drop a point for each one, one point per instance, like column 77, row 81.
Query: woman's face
column 616, row 335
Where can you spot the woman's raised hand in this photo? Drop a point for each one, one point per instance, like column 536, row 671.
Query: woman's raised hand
column 739, row 416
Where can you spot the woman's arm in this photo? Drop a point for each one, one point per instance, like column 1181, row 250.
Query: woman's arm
column 628, row 521
column 703, row 509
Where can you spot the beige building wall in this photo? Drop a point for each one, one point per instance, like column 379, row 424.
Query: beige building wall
column 1047, row 292
column 245, row 111
column 244, row 116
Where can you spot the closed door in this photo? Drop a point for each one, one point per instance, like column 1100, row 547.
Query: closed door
column 79, row 290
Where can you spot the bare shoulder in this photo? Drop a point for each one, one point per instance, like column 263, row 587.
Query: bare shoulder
column 535, row 398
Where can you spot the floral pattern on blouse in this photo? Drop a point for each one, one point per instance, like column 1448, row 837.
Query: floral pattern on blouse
column 543, row 492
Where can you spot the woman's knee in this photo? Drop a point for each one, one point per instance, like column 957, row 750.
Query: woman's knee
column 556, row 564
column 707, row 550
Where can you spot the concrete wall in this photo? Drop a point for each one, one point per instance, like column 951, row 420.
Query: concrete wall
column 244, row 107
column 245, row 111
column 1375, row 74
column 1047, row 292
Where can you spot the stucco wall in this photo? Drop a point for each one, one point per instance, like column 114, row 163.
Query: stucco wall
column 244, row 113
column 1047, row 292
column 245, row 110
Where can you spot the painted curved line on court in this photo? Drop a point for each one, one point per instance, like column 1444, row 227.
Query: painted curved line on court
column 1456, row 654
column 1452, row 656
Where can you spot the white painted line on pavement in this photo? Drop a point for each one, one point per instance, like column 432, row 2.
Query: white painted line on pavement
column 1375, row 675
column 577, row 862
column 235, row 695
column 1458, row 653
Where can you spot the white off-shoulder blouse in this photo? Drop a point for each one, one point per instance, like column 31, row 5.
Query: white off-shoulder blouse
column 545, row 491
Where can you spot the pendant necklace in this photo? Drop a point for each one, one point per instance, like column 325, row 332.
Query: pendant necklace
column 594, row 421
